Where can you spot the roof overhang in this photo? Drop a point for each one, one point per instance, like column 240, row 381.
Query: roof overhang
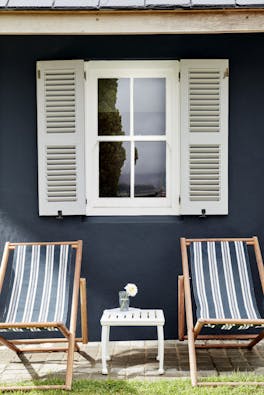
column 131, row 22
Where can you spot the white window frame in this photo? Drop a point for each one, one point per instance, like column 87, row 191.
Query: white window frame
column 168, row 205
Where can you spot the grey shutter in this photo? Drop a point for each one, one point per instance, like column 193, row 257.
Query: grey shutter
column 204, row 137
column 60, row 104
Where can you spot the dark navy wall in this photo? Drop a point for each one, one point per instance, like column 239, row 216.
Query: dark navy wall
column 144, row 250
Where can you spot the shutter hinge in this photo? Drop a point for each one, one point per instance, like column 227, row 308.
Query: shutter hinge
column 179, row 200
column 38, row 74
column 84, row 74
column 226, row 73
column 179, row 76
column 60, row 215
column 203, row 213
column 86, row 201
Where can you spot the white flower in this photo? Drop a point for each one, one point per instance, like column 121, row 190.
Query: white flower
column 131, row 289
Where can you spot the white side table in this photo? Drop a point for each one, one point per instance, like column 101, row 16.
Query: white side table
column 133, row 317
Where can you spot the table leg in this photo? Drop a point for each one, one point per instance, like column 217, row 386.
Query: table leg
column 158, row 355
column 108, row 357
column 104, row 348
column 160, row 348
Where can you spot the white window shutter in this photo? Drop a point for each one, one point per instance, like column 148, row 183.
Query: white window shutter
column 60, row 104
column 204, row 137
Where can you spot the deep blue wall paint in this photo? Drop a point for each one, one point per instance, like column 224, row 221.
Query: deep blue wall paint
column 144, row 250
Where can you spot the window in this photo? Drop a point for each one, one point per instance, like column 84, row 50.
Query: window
column 132, row 131
column 132, row 137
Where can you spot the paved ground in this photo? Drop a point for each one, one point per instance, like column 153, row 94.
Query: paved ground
column 134, row 359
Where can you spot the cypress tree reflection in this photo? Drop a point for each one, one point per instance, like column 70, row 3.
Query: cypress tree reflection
column 112, row 155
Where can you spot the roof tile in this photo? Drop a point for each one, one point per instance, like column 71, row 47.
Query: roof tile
column 167, row 3
column 30, row 3
column 128, row 4
column 76, row 4
column 249, row 3
column 122, row 4
column 213, row 3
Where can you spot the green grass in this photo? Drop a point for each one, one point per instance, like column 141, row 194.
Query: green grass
column 160, row 387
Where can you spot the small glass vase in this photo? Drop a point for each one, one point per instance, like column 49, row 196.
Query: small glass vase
column 123, row 301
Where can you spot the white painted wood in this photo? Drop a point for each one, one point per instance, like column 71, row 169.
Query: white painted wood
column 204, row 137
column 160, row 348
column 104, row 349
column 158, row 22
column 60, row 103
column 132, row 317
column 108, row 357
column 128, row 138
column 133, row 205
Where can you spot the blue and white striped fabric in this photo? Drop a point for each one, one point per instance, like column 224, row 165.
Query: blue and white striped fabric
column 222, row 281
column 38, row 284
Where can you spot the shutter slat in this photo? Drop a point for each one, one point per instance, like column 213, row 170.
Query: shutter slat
column 201, row 161
column 61, row 100
column 58, row 89
column 199, row 129
column 204, row 115
column 60, row 115
column 56, row 162
column 60, row 92
column 205, row 105
column 61, row 130
column 203, row 89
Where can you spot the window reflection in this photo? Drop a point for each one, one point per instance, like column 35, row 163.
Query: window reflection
column 113, row 106
column 149, row 106
column 150, row 169
column 114, row 169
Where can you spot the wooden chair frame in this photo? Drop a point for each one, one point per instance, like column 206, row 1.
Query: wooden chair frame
column 79, row 288
column 193, row 332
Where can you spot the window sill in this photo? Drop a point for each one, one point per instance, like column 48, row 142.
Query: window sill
column 133, row 211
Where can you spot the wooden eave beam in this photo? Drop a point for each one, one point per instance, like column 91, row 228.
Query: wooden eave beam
column 131, row 22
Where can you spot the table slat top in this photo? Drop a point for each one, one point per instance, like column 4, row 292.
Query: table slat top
column 133, row 317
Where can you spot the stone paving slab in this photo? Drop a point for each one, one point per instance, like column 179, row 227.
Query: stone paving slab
column 131, row 360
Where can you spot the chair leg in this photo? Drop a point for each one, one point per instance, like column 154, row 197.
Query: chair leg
column 76, row 347
column 256, row 340
column 83, row 300
column 10, row 345
column 192, row 358
column 181, row 308
column 70, row 358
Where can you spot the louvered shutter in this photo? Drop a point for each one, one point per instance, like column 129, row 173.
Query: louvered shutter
column 60, row 103
column 204, row 137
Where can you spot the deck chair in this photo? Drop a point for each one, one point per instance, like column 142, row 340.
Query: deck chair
column 217, row 275
column 39, row 291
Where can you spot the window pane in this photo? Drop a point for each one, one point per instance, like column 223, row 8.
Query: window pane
column 114, row 169
column 149, row 106
column 150, row 169
column 113, row 106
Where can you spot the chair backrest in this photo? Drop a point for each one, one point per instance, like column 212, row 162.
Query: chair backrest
column 38, row 283
column 222, row 281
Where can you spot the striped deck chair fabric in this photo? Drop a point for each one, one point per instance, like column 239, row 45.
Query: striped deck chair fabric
column 222, row 281
column 38, row 284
